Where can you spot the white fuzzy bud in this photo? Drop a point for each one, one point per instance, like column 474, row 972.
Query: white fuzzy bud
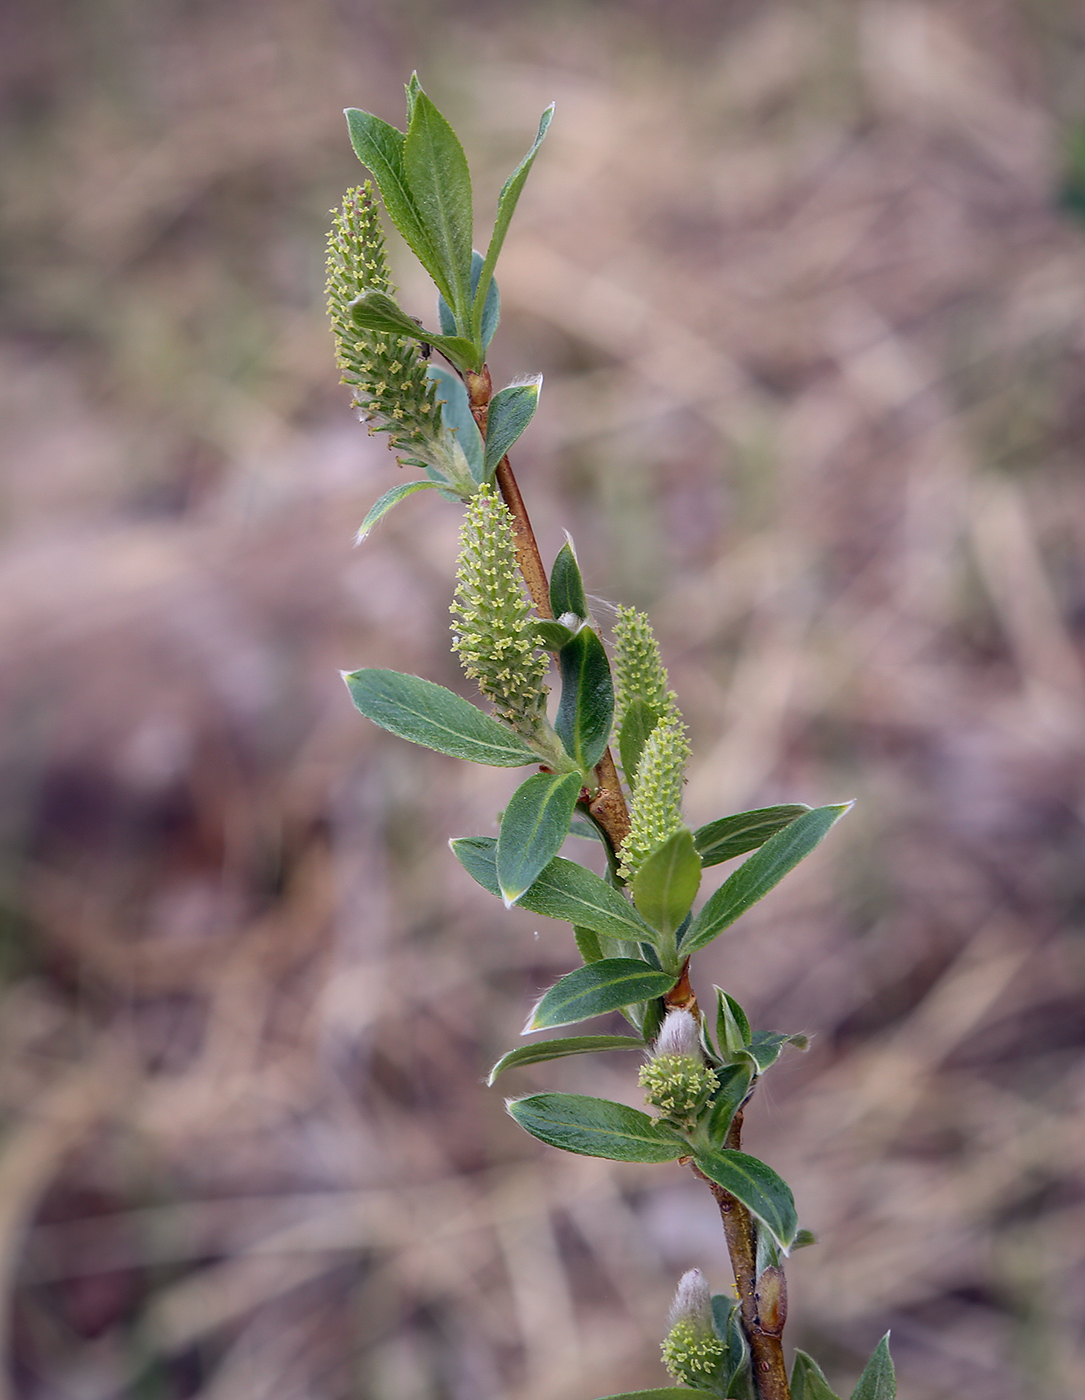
column 692, row 1301
column 679, row 1035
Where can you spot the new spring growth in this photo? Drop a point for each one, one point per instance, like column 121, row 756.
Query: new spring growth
column 692, row 1352
column 492, row 630
column 676, row 1080
column 393, row 390
column 639, row 673
column 386, row 372
column 656, row 811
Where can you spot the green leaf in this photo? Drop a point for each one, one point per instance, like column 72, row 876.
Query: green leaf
column 380, row 147
column 586, row 711
column 665, row 1392
column 879, row 1380
column 666, row 885
column 552, row 636
column 766, row 1047
column 596, row 1128
column 808, row 1380
column 757, row 1186
column 597, row 988
column 735, row 1083
column 727, row 1319
column 430, row 715
column 511, row 410
column 380, row 508
column 732, row 1026
column 756, row 876
column 803, row 1240
column 638, row 722
column 376, row 311
column 457, row 417
column 564, row 890
column 745, row 831
column 436, row 173
column 557, row 1049
column 566, row 586
column 587, row 944
column 506, row 204
column 533, row 829
column 491, row 313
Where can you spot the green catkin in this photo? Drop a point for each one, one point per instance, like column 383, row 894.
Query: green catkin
column 679, row 1087
column 656, row 811
column 691, row 1355
column 693, row 1352
column 639, row 673
column 492, row 629
column 386, row 372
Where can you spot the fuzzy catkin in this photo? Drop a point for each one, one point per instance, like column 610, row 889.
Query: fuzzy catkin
column 386, row 372
column 639, row 673
column 492, row 631
column 656, row 812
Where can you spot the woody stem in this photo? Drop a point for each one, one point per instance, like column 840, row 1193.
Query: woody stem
column 608, row 806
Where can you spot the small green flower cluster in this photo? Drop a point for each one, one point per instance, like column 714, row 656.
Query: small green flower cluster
column 386, row 372
column 679, row 1087
column 492, row 630
column 692, row 1355
column 656, row 810
column 639, row 673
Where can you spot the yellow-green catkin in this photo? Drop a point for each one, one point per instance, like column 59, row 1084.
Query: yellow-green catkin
column 676, row 1080
column 656, row 810
column 386, row 372
column 692, row 1352
column 639, row 673
column 492, row 629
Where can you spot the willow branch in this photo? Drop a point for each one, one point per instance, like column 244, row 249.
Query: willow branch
column 608, row 806
column 762, row 1300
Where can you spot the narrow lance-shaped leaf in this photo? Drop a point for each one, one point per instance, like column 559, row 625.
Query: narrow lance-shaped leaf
column 808, row 1380
column 596, row 1128
column 506, row 204
column 763, row 1192
column 879, row 1379
column 586, row 711
column 428, row 714
column 666, row 885
column 727, row 1317
column 745, row 831
column 544, row 1050
column 765, row 1047
column 376, row 311
column 597, row 988
column 533, row 829
column 380, row 508
column 564, row 890
column 511, row 410
column 566, row 586
column 734, row 1086
column 732, row 1026
column 756, row 876
column 379, row 147
column 436, row 173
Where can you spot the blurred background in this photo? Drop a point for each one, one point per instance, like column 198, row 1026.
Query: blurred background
column 806, row 280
